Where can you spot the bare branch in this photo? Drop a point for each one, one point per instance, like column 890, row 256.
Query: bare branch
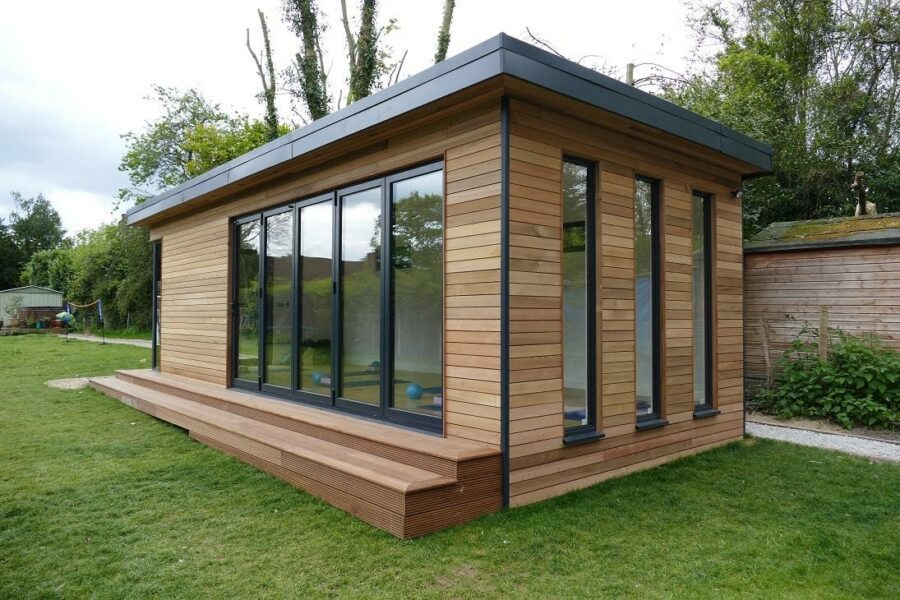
column 351, row 41
column 544, row 44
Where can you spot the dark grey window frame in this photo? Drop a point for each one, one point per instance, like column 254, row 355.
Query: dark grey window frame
column 383, row 411
column 155, row 355
column 655, row 418
column 708, row 409
column 591, row 430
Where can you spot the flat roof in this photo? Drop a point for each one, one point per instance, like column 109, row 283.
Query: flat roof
column 840, row 232
column 500, row 55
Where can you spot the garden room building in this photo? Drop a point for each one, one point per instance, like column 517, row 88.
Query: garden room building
column 499, row 280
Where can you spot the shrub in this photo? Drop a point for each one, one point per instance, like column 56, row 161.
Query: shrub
column 856, row 385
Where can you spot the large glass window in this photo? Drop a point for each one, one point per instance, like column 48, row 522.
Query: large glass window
column 578, row 301
column 315, row 297
column 646, row 291
column 350, row 310
column 279, row 293
column 701, row 281
column 361, row 296
column 417, row 245
column 247, row 301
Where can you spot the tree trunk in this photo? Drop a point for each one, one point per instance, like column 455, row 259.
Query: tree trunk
column 443, row 39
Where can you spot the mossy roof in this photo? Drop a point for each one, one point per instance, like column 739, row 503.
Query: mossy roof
column 827, row 233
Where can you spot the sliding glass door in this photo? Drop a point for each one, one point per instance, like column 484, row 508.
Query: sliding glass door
column 338, row 299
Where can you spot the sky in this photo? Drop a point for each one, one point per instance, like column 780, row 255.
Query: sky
column 74, row 76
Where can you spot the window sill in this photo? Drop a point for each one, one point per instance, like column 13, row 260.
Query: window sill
column 650, row 424
column 705, row 413
column 582, row 437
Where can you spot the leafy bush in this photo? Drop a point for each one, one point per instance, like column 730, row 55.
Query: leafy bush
column 857, row 384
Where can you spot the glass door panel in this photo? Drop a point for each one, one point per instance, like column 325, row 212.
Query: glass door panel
column 417, row 244
column 278, row 296
column 315, row 266
column 247, row 301
column 361, row 296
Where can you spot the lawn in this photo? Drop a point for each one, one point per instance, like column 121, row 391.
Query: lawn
column 98, row 499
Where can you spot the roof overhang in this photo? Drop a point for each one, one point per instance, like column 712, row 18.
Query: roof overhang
column 498, row 56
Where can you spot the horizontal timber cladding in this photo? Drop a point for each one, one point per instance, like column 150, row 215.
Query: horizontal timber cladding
column 783, row 290
column 541, row 465
column 195, row 271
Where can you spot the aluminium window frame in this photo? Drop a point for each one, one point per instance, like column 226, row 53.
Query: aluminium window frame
column 383, row 411
column 590, row 431
column 708, row 408
column 156, row 300
column 655, row 418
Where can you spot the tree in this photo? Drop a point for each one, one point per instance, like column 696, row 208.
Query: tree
column 159, row 158
column 307, row 78
column 50, row 268
column 267, row 78
column 35, row 225
column 10, row 258
column 368, row 58
column 818, row 80
column 192, row 136
column 443, row 38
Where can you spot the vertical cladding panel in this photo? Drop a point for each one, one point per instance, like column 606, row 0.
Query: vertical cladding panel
column 728, row 290
column 616, row 293
column 194, row 307
column 472, row 289
column 535, row 295
column 677, row 336
column 541, row 466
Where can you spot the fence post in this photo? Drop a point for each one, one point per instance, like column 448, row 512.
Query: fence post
column 823, row 332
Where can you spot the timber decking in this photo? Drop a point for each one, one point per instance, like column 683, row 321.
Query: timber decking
column 404, row 482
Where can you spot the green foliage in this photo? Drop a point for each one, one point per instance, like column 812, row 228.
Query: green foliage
column 35, row 225
column 50, row 268
column 189, row 138
column 364, row 67
column 10, row 258
column 306, row 79
column 818, row 80
column 857, row 385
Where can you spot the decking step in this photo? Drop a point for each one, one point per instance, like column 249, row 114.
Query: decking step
column 384, row 492
column 456, row 458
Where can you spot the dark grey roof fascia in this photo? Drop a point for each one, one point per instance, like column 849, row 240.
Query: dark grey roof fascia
column 500, row 55
column 883, row 237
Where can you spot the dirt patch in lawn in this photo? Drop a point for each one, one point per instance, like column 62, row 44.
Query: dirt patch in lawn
column 74, row 383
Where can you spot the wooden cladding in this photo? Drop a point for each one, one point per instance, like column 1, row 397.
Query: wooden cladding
column 541, row 465
column 195, row 272
column 783, row 290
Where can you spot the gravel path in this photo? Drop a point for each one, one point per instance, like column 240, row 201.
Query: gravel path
column 97, row 338
column 844, row 443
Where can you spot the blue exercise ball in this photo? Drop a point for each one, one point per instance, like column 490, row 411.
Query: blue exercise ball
column 414, row 391
column 316, row 377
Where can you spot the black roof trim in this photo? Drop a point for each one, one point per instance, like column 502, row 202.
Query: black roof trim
column 500, row 55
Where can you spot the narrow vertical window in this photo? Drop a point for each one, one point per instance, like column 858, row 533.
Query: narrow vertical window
column 361, row 296
column 246, row 312
column 315, row 264
column 701, row 289
column 155, row 326
column 578, row 301
column 278, row 296
column 646, row 300
column 417, row 247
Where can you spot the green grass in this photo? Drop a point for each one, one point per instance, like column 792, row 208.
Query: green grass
column 128, row 334
column 98, row 499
